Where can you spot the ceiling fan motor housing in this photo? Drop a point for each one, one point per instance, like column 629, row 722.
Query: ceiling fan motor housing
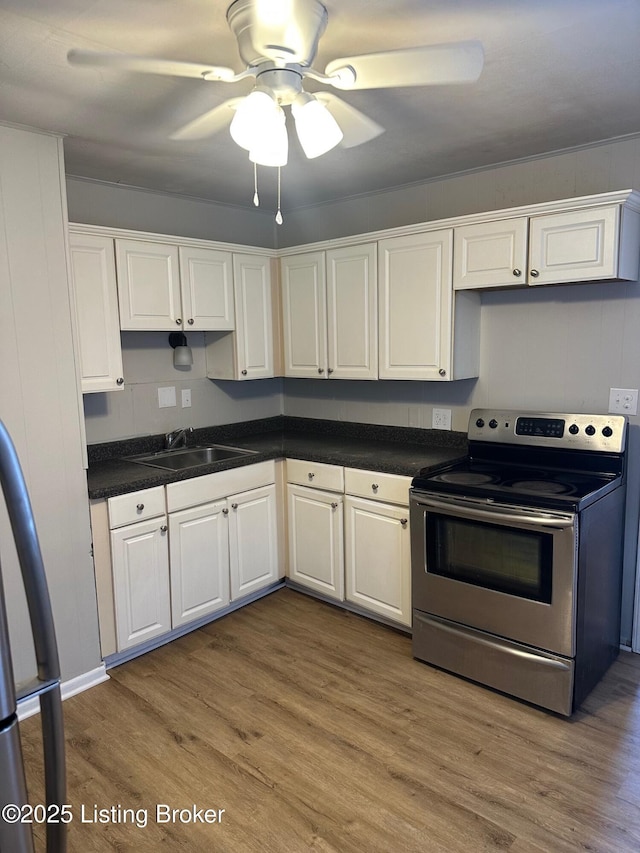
column 261, row 34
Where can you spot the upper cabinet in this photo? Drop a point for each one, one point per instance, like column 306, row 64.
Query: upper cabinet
column 96, row 302
column 330, row 313
column 246, row 353
column 423, row 332
column 169, row 287
column 596, row 243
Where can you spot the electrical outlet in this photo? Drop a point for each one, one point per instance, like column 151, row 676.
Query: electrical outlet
column 166, row 397
column 441, row 419
column 623, row 401
column 186, row 398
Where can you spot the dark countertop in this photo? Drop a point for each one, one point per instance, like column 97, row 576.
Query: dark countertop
column 393, row 450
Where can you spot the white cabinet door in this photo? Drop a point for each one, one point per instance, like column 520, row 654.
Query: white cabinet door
column 199, row 558
column 141, row 581
column 254, row 316
column 206, row 278
column 352, row 312
column 316, row 541
column 304, row 308
column 378, row 558
column 577, row 246
column 490, row 254
column 253, row 541
column 148, row 285
column 415, row 306
column 96, row 303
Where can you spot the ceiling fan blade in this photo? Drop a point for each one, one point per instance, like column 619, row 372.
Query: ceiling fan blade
column 147, row 65
column 209, row 123
column 431, row 65
column 356, row 126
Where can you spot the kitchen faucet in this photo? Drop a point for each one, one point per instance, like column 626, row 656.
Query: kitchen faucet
column 177, row 438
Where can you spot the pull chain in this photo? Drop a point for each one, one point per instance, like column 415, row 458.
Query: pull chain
column 256, row 200
column 279, row 219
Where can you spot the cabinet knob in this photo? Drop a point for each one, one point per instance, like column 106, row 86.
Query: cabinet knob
column 140, row 507
column 244, row 372
column 330, row 370
column 334, row 505
column 163, row 528
column 120, row 381
column 179, row 321
column 375, row 487
column 534, row 273
column 442, row 371
column 190, row 321
column 321, row 370
column 404, row 521
column 311, row 475
column 225, row 511
column 234, row 506
column 517, row 272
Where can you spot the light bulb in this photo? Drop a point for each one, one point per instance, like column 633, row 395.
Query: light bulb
column 271, row 146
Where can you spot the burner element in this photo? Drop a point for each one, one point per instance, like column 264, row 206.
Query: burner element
column 465, row 478
column 543, row 487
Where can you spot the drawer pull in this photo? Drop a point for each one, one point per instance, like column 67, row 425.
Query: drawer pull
column 334, row 505
column 163, row 528
column 140, row 507
column 375, row 487
column 311, row 475
column 404, row 521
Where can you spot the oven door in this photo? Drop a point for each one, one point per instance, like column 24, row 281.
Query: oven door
column 506, row 570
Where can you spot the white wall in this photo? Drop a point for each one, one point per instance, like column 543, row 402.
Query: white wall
column 148, row 365
column 39, row 401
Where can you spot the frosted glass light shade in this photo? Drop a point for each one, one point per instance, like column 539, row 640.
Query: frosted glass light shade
column 317, row 129
column 271, row 144
column 182, row 357
column 257, row 110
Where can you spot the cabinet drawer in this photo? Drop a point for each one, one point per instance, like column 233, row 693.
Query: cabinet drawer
column 213, row 487
column 316, row 474
column 136, row 506
column 374, row 485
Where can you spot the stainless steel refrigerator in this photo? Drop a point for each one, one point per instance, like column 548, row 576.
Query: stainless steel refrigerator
column 15, row 832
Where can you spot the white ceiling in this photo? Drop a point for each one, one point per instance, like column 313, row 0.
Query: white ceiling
column 558, row 73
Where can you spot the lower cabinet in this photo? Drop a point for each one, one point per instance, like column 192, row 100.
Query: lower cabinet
column 181, row 552
column 316, row 541
column 378, row 558
column 354, row 546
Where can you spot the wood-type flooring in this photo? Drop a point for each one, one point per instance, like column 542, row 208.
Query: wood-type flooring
column 315, row 730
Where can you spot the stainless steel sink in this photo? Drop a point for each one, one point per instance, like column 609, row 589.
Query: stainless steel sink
column 189, row 457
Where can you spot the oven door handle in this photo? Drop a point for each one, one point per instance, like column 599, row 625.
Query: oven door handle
column 559, row 521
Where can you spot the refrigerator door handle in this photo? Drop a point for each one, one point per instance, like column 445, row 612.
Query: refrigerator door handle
column 42, row 628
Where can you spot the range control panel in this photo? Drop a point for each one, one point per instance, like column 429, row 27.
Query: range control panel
column 549, row 429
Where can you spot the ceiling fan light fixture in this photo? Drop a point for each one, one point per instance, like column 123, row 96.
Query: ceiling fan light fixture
column 317, row 129
column 257, row 111
column 270, row 144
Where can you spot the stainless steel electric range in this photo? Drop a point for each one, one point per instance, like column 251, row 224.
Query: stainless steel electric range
column 517, row 555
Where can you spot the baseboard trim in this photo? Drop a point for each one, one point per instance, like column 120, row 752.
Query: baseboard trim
column 31, row 704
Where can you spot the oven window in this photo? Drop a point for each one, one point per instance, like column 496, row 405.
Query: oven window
column 518, row 562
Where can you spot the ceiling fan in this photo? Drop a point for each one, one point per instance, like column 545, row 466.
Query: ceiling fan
column 278, row 41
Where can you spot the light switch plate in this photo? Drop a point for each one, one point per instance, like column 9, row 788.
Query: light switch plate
column 166, row 397
column 623, row 401
column 441, row 419
column 186, row 398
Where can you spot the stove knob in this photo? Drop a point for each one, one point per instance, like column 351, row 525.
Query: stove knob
column 480, row 423
column 607, row 432
column 493, row 423
column 574, row 429
column 590, row 430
